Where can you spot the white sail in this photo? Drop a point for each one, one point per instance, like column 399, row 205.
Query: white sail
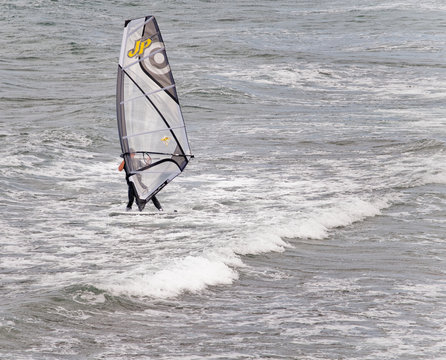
column 151, row 126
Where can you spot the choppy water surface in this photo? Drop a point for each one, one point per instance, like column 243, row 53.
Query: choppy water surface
column 311, row 224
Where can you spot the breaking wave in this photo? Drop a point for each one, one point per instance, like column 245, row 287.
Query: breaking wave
column 194, row 274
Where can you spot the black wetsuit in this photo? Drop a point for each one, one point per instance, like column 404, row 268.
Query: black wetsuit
column 156, row 203
column 131, row 194
column 132, row 198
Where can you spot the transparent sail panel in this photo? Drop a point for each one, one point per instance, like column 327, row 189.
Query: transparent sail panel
column 148, row 181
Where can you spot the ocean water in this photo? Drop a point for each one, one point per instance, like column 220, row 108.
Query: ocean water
column 310, row 225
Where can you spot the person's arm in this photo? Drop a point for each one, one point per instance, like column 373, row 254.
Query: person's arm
column 121, row 166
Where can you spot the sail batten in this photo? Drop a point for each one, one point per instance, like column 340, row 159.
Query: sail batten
column 151, row 127
column 149, row 93
column 152, row 131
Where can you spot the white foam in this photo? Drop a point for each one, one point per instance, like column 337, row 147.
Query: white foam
column 317, row 224
column 88, row 297
column 191, row 274
column 436, row 178
column 312, row 76
column 427, row 291
column 433, row 169
column 260, row 242
column 71, row 314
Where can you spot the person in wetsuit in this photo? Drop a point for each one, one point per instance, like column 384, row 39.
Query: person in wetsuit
column 137, row 164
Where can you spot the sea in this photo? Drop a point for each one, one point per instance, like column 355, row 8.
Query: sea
column 310, row 225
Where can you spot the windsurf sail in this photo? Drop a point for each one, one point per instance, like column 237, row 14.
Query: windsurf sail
column 151, row 127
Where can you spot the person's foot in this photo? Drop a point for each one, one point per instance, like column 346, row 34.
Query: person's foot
column 128, row 208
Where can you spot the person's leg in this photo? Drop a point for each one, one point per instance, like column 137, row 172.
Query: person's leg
column 131, row 197
column 156, row 203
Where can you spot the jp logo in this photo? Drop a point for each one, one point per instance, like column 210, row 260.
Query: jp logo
column 139, row 48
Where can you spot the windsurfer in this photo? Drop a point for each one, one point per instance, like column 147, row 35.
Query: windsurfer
column 131, row 193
